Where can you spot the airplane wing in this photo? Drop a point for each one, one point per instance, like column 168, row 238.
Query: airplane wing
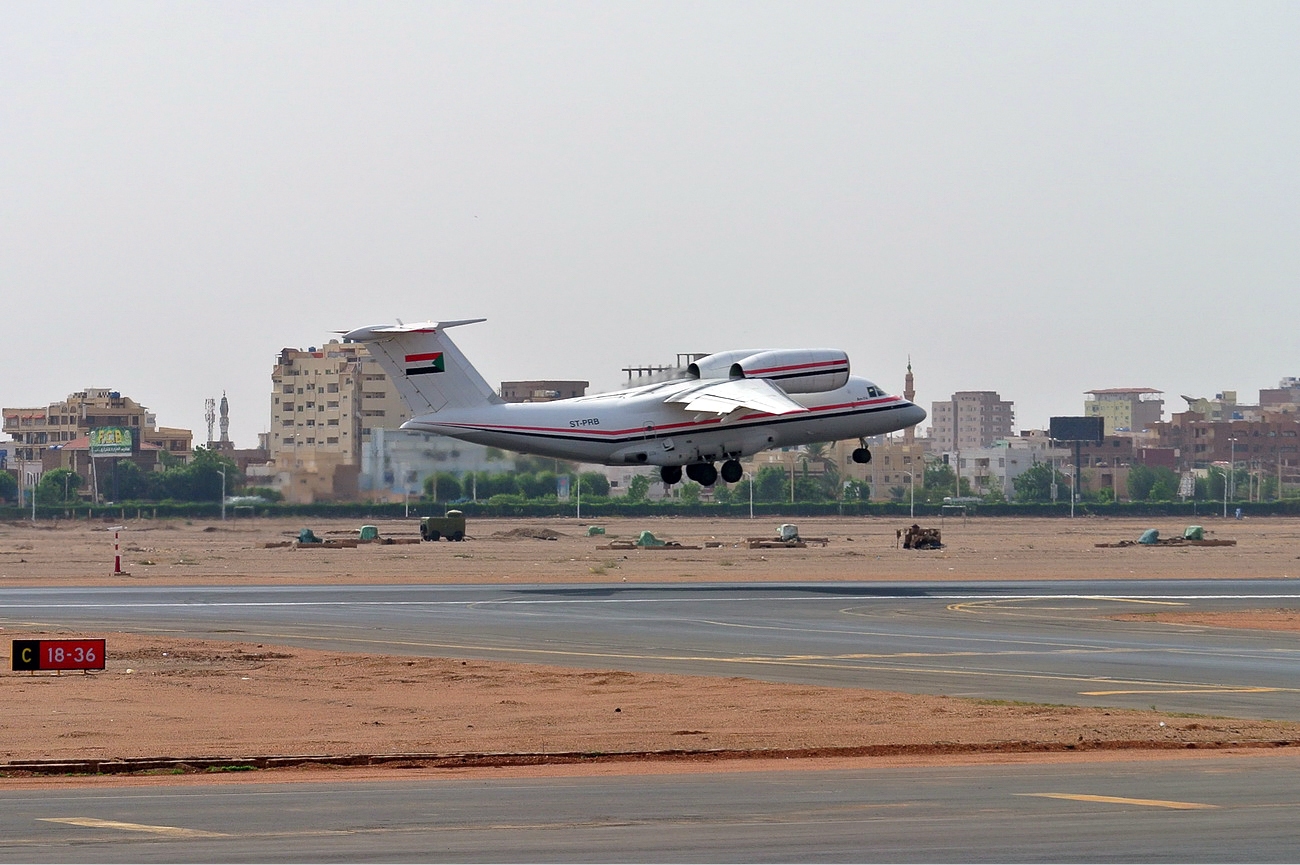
column 737, row 395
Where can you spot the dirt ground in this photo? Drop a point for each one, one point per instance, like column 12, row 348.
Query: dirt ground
column 176, row 552
column 204, row 699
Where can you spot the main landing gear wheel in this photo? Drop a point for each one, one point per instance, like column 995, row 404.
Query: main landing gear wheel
column 861, row 455
column 670, row 474
column 702, row 473
column 731, row 471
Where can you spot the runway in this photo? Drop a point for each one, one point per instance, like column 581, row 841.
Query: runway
column 1048, row 641
column 1218, row 809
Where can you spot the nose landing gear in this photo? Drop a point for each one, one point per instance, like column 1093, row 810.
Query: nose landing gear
column 862, row 454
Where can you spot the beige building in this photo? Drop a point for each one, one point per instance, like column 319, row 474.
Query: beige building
column 325, row 403
column 39, row 434
column 970, row 419
column 1125, row 408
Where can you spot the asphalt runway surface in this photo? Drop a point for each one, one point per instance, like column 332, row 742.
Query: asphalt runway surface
column 1049, row 642
column 1215, row 809
column 1046, row 642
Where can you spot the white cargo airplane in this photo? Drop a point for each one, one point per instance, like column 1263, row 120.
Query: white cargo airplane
column 727, row 406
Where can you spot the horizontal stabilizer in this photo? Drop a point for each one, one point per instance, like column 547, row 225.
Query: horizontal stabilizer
column 729, row 397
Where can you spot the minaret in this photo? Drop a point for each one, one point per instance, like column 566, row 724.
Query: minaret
column 225, row 424
column 909, row 393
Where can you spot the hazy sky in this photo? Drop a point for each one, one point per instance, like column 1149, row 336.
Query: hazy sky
column 1033, row 198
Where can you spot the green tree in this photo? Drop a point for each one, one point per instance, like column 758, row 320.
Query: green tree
column 638, row 488
column 8, row 487
column 1035, row 484
column 940, row 480
column 995, row 496
column 58, row 486
column 690, row 491
column 442, row 487
column 594, row 484
column 132, row 482
column 537, row 485
column 771, row 485
column 203, row 476
column 857, row 491
column 1164, row 487
column 1141, row 479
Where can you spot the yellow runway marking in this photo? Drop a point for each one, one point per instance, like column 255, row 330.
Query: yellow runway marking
column 169, row 831
column 1120, row 800
column 1186, row 691
column 986, row 605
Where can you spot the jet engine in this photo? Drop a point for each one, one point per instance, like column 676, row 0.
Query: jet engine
column 718, row 365
column 808, row 370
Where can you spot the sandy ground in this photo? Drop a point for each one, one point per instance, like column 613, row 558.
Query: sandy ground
column 195, row 699
column 174, row 552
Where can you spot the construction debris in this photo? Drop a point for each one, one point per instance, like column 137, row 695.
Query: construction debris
column 1193, row 536
column 645, row 541
column 916, row 538
column 787, row 537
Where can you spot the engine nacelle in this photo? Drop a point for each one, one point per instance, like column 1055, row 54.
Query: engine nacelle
column 804, row 370
column 718, row 365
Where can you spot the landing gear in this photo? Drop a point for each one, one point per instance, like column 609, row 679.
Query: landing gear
column 703, row 474
column 670, row 474
column 731, row 471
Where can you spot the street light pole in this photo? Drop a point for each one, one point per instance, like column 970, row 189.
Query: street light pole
column 912, row 497
column 223, row 494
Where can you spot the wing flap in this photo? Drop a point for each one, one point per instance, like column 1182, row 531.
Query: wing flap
column 731, row 398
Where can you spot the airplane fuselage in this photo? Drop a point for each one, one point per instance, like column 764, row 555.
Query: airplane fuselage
column 637, row 427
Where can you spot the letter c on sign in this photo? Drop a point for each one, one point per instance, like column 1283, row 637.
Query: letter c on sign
column 27, row 654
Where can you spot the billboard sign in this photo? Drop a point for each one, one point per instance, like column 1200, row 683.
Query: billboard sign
column 111, row 441
column 1078, row 429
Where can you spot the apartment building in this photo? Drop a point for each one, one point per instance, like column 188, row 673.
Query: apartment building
column 1125, row 408
column 970, row 419
column 325, row 403
column 47, row 436
column 1270, row 447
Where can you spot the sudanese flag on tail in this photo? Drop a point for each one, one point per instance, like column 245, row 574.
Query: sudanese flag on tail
column 422, row 364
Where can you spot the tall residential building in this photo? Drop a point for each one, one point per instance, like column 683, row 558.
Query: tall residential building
column 970, row 419
column 324, row 405
column 1131, row 409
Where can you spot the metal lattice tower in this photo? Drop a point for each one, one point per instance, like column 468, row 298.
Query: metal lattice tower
column 210, row 415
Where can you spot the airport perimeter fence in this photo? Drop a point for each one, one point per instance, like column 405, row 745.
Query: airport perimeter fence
column 597, row 509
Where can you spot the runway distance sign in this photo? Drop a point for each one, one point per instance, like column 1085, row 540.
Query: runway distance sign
column 58, row 655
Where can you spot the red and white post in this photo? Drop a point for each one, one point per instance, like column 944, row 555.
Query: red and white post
column 117, row 553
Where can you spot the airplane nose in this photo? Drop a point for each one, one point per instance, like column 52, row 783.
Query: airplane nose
column 914, row 414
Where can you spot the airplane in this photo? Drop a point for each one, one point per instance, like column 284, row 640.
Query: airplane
column 727, row 406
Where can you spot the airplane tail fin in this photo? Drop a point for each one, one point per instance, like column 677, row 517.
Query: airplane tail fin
column 427, row 368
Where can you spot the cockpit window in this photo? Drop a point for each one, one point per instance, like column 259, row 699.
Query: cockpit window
column 873, row 391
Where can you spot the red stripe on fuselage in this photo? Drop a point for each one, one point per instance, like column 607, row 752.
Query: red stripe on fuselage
column 579, row 432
